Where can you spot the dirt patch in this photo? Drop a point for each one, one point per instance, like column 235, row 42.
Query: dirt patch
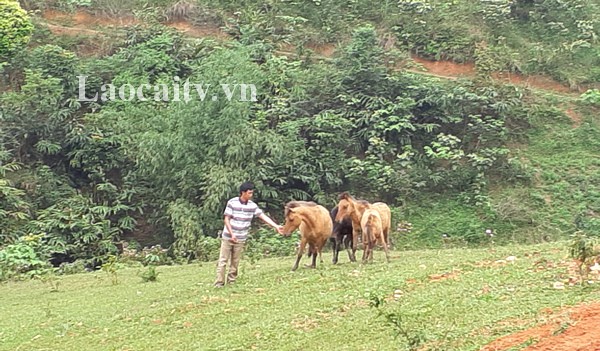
column 574, row 330
column 84, row 19
column 535, row 81
column 305, row 324
column 198, row 31
column 574, row 116
column 446, row 275
column 326, row 50
column 82, row 22
column 71, row 31
column 447, row 69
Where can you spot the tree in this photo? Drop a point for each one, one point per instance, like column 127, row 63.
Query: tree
column 15, row 28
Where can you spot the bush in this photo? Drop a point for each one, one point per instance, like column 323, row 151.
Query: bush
column 26, row 258
column 591, row 97
column 265, row 243
column 15, row 28
column 207, row 248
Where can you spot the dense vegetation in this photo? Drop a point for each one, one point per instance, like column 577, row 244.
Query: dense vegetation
column 450, row 156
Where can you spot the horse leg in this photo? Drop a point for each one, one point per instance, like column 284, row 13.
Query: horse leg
column 387, row 254
column 386, row 236
column 336, row 249
column 365, row 255
column 312, row 252
column 348, row 244
column 314, row 259
column 354, row 244
column 320, row 249
column 300, row 252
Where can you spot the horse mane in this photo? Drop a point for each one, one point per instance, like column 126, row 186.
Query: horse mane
column 346, row 196
column 294, row 204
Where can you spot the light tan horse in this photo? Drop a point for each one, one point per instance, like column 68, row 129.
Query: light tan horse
column 349, row 207
column 315, row 226
column 372, row 233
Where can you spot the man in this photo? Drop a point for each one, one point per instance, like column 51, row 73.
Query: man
column 238, row 216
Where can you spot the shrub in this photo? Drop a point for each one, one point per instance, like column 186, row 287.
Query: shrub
column 15, row 27
column 591, row 97
column 26, row 258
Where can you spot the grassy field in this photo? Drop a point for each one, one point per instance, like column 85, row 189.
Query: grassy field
column 454, row 299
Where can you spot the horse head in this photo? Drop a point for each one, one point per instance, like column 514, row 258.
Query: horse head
column 349, row 207
column 292, row 218
column 345, row 207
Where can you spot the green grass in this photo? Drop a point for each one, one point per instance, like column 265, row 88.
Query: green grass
column 271, row 308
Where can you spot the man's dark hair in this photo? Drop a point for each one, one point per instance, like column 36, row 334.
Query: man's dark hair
column 246, row 186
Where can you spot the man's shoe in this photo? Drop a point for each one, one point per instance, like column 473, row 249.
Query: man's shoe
column 219, row 285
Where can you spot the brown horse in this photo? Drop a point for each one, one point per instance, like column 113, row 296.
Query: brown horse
column 349, row 207
column 315, row 226
column 372, row 232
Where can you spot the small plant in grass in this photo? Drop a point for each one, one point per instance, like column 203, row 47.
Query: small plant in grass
column 150, row 275
column 110, row 267
column 583, row 249
column 413, row 337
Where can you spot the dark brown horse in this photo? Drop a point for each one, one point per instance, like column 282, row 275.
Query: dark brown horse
column 315, row 227
column 349, row 207
column 342, row 234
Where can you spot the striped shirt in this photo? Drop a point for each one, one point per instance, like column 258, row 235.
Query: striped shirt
column 240, row 217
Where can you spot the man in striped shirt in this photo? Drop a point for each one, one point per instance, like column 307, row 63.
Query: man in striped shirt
column 238, row 216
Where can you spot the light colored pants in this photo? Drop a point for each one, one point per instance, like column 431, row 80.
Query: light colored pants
column 229, row 252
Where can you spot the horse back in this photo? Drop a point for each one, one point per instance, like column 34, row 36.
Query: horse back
column 320, row 225
column 385, row 213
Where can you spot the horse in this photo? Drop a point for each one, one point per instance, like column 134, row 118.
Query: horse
column 342, row 233
column 371, row 224
column 349, row 207
column 315, row 226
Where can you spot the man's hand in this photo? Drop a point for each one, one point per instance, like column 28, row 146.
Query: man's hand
column 233, row 239
column 279, row 229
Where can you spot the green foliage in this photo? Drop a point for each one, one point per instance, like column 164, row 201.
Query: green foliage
column 15, row 28
column 207, row 249
column 14, row 209
column 26, row 258
column 265, row 243
column 150, row 275
column 591, row 97
column 315, row 129
column 72, row 268
column 79, row 227
column 148, row 256
column 35, row 114
column 584, row 249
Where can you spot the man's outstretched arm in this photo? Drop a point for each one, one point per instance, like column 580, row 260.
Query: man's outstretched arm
column 270, row 222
